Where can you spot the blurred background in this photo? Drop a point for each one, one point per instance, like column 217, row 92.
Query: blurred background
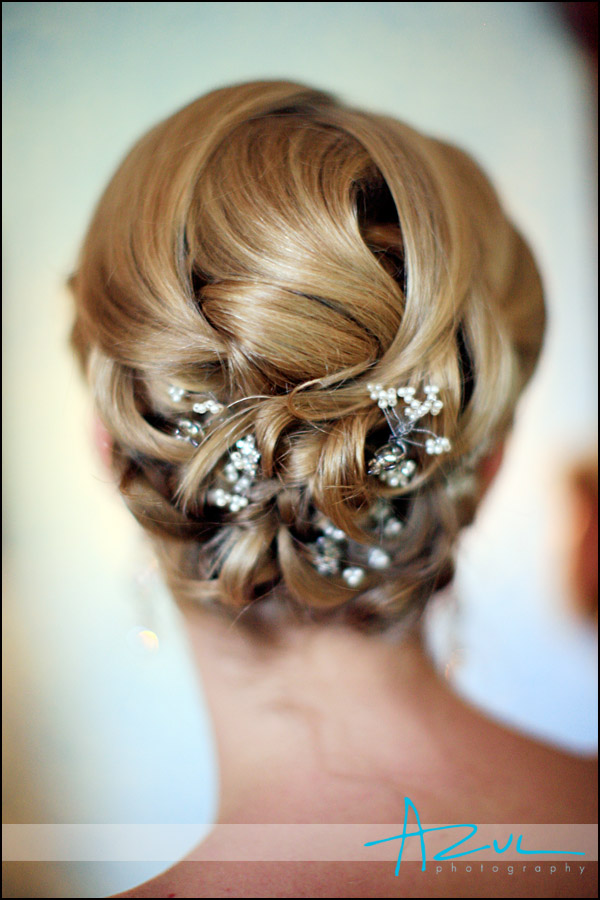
column 104, row 720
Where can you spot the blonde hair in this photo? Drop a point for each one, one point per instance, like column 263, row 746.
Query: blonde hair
column 280, row 250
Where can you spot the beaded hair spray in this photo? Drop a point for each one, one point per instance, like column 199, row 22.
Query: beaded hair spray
column 333, row 553
column 390, row 462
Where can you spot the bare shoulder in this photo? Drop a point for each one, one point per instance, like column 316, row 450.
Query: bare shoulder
column 474, row 770
column 358, row 879
column 523, row 783
column 505, row 776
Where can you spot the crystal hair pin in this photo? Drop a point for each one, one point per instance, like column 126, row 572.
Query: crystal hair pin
column 390, row 462
column 333, row 553
column 187, row 428
column 241, row 470
column 240, row 473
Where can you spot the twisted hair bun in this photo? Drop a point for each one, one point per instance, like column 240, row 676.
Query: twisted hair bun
column 279, row 250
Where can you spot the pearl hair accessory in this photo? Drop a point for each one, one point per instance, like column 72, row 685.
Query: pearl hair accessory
column 334, row 553
column 188, row 429
column 241, row 470
column 203, row 404
column 390, row 462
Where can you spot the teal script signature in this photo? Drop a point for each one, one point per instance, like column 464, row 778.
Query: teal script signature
column 445, row 854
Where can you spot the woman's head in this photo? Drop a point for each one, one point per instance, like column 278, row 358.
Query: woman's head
column 278, row 251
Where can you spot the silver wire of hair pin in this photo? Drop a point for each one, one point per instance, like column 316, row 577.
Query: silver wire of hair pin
column 240, row 472
column 390, row 462
column 188, row 428
column 334, row 553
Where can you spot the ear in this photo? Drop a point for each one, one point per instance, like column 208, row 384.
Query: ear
column 103, row 442
column 583, row 539
column 489, row 465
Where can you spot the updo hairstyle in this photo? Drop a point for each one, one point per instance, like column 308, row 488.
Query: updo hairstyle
column 279, row 250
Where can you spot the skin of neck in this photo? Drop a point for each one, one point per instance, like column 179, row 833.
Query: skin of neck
column 329, row 722
column 317, row 726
